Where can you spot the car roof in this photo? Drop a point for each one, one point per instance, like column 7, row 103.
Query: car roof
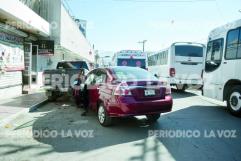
column 122, row 67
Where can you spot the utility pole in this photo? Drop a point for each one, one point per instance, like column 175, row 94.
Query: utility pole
column 143, row 44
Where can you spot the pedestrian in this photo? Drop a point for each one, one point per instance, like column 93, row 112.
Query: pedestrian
column 77, row 88
column 81, row 95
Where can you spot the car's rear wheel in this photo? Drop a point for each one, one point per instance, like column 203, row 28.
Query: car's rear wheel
column 181, row 87
column 153, row 117
column 234, row 101
column 103, row 116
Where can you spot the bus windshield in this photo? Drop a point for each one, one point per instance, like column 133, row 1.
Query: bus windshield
column 188, row 51
column 132, row 63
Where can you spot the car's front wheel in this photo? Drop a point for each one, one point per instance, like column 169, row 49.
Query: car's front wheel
column 153, row 117
column 234, row 101
column 103, row 116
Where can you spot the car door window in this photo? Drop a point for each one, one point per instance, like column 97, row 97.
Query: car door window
column 90, row 79
column 101, row 77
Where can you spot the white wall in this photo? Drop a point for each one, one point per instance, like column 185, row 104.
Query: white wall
column 66, row 34
column 72, row 38
column 26, row 19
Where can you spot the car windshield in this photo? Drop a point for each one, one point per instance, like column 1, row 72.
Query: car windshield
column 129, row 74
column 190, row 51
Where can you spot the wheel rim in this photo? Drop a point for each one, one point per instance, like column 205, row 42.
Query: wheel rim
column 235, row 101
column 101, row 114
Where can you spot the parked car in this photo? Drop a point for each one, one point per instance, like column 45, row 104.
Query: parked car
column 126, row 91
column 60, row 80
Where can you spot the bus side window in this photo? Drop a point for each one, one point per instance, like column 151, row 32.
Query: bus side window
column 232, row 44
column 214, row 55
column 239, row 46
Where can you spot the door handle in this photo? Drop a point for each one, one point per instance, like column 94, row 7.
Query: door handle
column 225, row 62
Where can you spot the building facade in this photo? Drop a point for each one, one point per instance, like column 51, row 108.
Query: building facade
column 25, row 25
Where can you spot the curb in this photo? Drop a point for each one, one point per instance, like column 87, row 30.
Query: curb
column 33, row 108
column 12, row 117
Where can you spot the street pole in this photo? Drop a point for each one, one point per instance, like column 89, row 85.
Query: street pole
column 143, row 44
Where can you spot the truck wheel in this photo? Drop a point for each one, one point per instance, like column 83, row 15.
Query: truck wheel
column 103, row 116
column 181, row 87
column 153, row 117
column 234, row 100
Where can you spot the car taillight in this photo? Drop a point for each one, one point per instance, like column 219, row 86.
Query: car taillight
column 172, row 72
column 168, row 91
column 122, row 90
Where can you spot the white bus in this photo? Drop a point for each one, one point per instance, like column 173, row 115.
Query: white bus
column 180, row 65
column 222, row 76
column 133, row 58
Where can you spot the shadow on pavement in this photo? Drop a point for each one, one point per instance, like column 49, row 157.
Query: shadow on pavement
column 64, row 117
column 200, row 118
column 68, row 118
column 203, row 119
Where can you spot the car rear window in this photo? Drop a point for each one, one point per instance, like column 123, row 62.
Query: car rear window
column 135, row 73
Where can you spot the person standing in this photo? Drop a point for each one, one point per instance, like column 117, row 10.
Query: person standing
column 81, row 96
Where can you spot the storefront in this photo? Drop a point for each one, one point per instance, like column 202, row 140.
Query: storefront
column 11, row 65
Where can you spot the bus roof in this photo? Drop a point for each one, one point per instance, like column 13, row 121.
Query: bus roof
column 188, row 43
column 177, row 43
column 130, row 51
column 222, row 30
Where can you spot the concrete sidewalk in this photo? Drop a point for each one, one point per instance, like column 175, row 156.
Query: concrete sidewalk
column 27, row 102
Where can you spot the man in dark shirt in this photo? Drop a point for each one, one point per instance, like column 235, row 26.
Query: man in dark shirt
column 81, row 96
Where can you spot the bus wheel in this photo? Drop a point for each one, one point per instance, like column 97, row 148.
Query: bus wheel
column 181, row 87
column 234, row 101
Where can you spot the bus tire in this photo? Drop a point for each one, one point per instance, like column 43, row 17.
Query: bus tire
column 234, row 100
column 181, row 87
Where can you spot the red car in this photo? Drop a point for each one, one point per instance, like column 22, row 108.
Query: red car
column 126, row 91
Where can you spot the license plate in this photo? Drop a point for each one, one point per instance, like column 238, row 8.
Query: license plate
column 150, row 93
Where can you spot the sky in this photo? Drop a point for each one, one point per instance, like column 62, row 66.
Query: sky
column 114, row 25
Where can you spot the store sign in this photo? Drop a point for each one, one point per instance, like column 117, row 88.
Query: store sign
column 10, row 38
column 45, row 47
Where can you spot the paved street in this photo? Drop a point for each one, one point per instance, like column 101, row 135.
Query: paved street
column 127, row 139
